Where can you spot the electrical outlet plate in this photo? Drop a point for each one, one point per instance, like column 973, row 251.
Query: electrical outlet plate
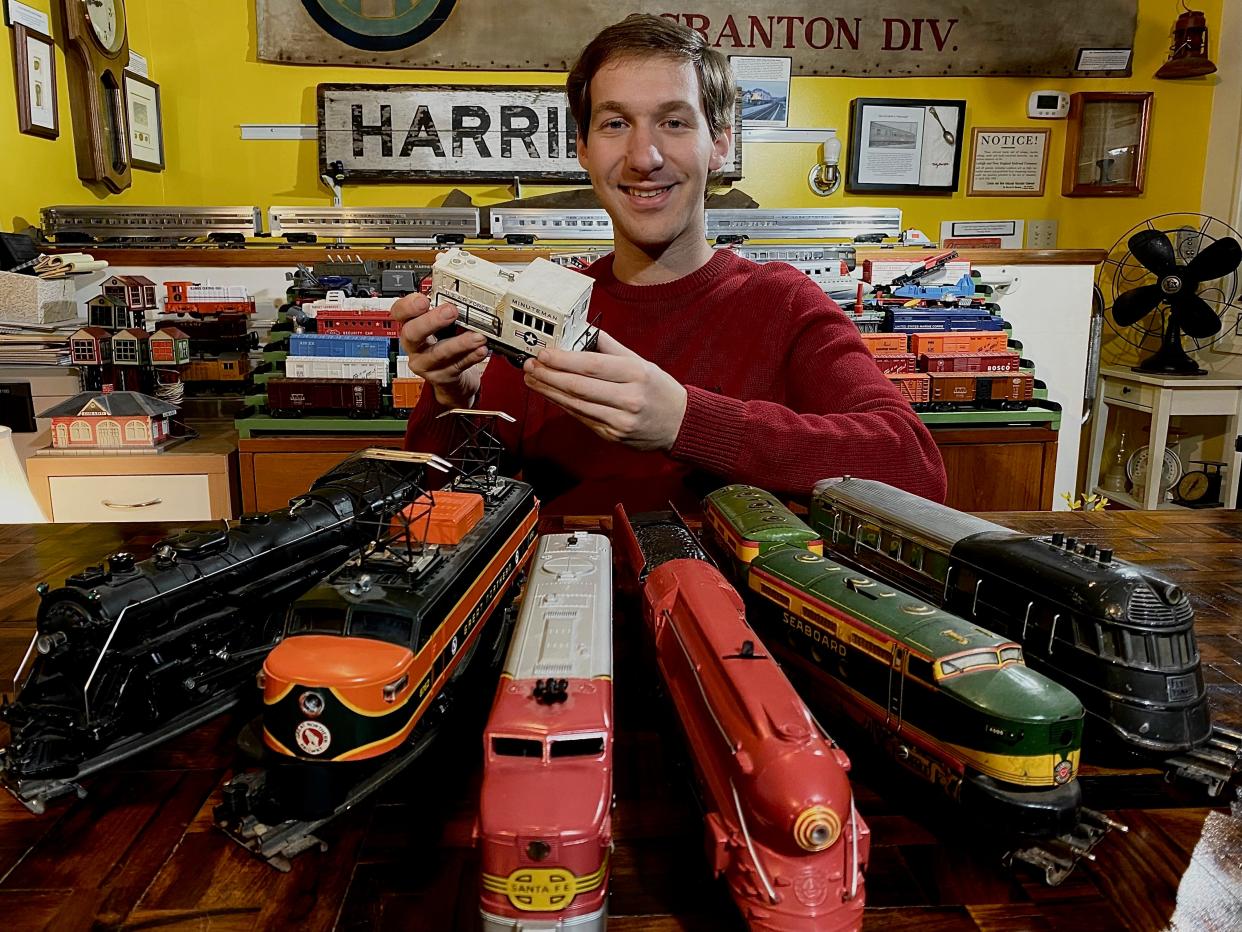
column 1041, row 234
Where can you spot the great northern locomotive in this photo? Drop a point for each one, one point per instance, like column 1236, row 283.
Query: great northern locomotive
column 948, row 700
column 372, row 660
column 132, row 653
column 782, row 827
column 1121, row 638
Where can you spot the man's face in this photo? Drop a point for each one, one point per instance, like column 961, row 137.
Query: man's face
column 649, row 151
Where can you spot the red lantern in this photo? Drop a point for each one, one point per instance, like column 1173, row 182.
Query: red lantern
column 1188, row 56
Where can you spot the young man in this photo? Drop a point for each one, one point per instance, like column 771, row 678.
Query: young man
column 709, row 368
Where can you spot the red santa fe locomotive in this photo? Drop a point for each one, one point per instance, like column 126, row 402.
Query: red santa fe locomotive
column 781, row 822
column 545, row 822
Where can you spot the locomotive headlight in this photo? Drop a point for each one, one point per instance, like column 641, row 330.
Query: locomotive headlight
column 1113, row 610
column 1173, row 595
column 47, row 643
column 538, row 850
column 1062, row 772
column 816, row 828
column 311, row 704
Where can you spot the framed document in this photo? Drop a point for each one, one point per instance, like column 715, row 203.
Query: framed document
column 34, row 60
column 905, row 146
column 1106, row 144
column 1007, row 162
column 146, row 125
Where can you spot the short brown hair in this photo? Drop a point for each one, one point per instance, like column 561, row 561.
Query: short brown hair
column 642, row 35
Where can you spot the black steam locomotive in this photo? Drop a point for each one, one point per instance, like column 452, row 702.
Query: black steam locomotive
column 1120, row 637
column 132, row 653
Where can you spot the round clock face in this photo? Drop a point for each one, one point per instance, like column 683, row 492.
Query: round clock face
column 107, row 19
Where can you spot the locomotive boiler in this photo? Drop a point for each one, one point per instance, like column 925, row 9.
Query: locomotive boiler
column 130, row 653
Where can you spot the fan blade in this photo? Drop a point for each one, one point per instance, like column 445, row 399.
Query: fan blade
column 1194, row 316
column 1215, row 261
column 1153, row 249
column 1134, row 305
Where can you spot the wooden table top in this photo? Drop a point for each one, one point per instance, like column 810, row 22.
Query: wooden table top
column 141, row 850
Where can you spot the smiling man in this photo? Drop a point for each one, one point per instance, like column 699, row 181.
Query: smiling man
column 709, row 368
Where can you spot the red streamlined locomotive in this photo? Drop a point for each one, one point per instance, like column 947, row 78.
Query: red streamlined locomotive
column 781, row 822
column 545, row 823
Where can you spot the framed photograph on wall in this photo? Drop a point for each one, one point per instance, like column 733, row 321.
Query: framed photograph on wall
column 1007, row 161
column 146, row 124
column 905, row 146
column 34, row 59
column 1106, row 144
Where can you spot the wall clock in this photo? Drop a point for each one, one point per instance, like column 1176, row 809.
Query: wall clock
column 96, row 53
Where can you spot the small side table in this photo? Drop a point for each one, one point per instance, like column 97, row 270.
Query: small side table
column 1162, row 397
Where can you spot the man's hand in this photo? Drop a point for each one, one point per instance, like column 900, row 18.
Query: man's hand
column 453, row 367
column 614, row 391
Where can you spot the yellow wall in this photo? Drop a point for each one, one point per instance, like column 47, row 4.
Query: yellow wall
column 202, row 53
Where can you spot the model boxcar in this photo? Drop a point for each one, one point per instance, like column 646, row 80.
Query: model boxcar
column 330, row 367
column 895, row 362
column 405, row 393
column 545, row 852
column 1004, row 389
column 519, row 313
column 884, row 343
column 912, row 385
column 976, row 341
column 338, row 345
column 969, row 362
column 227, row 372
column 295, row 397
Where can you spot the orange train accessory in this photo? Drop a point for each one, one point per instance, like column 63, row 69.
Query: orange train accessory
column 453, row 514
column 406, row 392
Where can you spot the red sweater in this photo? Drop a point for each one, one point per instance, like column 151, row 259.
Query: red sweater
column 781, row 393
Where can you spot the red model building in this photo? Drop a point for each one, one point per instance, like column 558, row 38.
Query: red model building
column 109, row 420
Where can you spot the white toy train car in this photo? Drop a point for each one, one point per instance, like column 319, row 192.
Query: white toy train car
column 336, row 367
column 520, row 313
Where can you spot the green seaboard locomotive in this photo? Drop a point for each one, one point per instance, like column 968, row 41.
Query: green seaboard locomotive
column 950, row 701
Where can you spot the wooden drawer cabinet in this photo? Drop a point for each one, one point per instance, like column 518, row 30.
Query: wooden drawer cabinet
column 194, row 481
column 275, row 469
column 131, row 498
column 999, row 469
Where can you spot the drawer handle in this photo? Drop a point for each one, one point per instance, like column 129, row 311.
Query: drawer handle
column 122, row 505
column 1125, row 389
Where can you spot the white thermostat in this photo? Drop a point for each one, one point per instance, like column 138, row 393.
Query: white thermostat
column 1047, row 105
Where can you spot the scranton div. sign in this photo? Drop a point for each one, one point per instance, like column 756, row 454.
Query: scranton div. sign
column 844, row 37
column 400, row 132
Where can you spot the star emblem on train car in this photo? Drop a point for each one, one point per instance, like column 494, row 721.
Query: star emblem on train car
column 379, row 25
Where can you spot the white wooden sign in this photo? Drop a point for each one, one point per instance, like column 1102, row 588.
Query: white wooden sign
column 403, row 132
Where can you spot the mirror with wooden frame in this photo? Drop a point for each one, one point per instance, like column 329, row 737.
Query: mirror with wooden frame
column 1106, row 144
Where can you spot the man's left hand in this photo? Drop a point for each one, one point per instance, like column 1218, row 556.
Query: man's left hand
column 614, row 391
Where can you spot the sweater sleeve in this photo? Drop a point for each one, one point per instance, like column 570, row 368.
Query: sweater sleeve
column 425, row 430
column 841, row 416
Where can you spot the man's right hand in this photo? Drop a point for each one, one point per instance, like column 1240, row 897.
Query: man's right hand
column 452, row 366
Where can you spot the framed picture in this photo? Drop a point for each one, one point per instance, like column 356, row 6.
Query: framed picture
column 905, row 146
column 1106, row 144
column 34, row 58
column 1007, row 161
column 146, row 125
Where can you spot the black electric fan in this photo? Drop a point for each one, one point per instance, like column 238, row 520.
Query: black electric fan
column 1194, row 297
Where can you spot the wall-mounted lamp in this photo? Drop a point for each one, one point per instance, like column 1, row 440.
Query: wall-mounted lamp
column 825, row 176
column 1188, row 56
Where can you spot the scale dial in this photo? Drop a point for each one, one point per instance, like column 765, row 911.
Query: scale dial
column 1193, row 487
column 107, row 21
column 1171, row 471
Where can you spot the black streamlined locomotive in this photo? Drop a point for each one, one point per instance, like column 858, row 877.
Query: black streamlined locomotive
column 1120, row 637
column 130, row 654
